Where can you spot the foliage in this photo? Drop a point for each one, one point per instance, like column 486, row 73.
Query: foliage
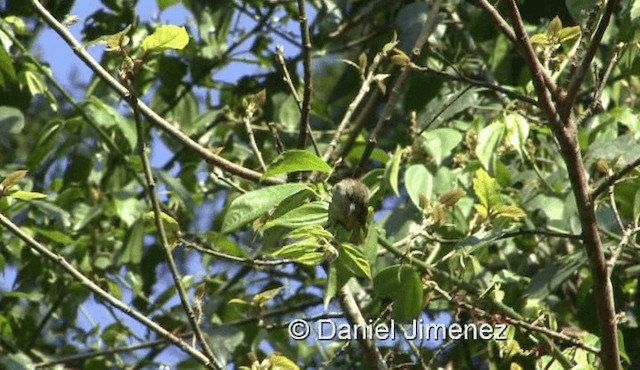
column 501, row 192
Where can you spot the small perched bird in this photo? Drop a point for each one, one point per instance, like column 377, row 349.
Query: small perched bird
column 349, row 208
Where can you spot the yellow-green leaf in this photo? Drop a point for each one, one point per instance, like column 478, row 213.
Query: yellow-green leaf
column 165, row 38
column 296, row 160
column 568, row 33
column 113, row 41
column 263, row 297
column 486, row 189
column 12, row 179
column 280, row 362
column 508, row 211
column 554, row 27
column 27, row 195
column 539, row 39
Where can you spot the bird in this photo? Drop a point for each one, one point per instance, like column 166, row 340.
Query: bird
column 349, row 208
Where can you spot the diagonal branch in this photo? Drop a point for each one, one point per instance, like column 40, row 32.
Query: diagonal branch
column 611, row 180
column 538, row 74
column 581, row 71
column 146, row 111
column 564, row 130
column 144, row 150
column 394, row 95
column 513, row 36
column 130, row 311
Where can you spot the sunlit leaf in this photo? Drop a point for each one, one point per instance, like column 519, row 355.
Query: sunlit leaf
column 166, row 37
column 251, row 205
column 294, row 161
column 403, row 285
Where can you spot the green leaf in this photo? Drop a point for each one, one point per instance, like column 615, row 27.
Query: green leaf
column 517, row 131
column 11, row 121
column 251, row 205
column 170, row 224
column 164, row 4
column 289, row 114
column 304, row 251
column 418, row 181
column 552, row 276
column 114, row 41
column 12, row 179
column 54, row 235
column 107, row 116
column 26, row 195
column 263, row 297
column 403, row 285
column 166, row 37
column 358, row 149
column 313, row 213
column 540, row 39
column 280, row 362
column 441, row 142
column 508, row 211
column 353, row 259
column 394, row 171
column 294, row 161
column 134, row 244
column 554, row 27
column 486, row 189
column 635, row 10
column 225, row 245
column 37, row 85
column 488, row 140
column 569, row 33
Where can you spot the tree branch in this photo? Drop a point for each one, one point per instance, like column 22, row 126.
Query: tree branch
column 565, row 132
column 149, row 113
column 611, row 180
column 144, row 150
column 306, row 63
column 578, row 77
column 130, row 311
column 394, row 95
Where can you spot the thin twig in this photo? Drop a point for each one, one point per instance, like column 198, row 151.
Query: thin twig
column 355, row 318
column 514, row 37
column 245, row 261
column 130, row 311
column 611, row 180
column 157, row 215
column 149, row 113
column 617, row 251
column 581, row 70
column 287, row 78
column 394, row 95
column 94, row 354
column 487, row 85
column 596, row 102
column 306, row 65
column 362, row 92
column 248, row 115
